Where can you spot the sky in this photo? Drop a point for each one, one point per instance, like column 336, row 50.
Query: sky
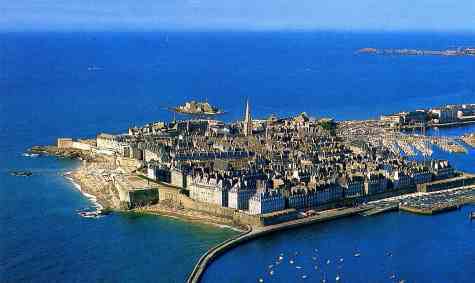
column 377, row 15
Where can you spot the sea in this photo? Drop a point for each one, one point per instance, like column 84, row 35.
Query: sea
column 79, row 84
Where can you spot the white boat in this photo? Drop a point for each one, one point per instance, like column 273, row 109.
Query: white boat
column 30, row 154
column 357, row 254
column 328, row 261
column 337, row 278
column 291, row 262
column 89, row 214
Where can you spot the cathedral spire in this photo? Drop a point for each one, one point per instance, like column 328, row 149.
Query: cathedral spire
column 247, row 120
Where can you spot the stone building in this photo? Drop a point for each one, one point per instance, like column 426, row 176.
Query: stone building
column 266, row 202
column 353, row 186
column 240, row 194
column 210, row 189
column 375, row 183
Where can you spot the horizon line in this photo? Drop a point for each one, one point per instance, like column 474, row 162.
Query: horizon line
column 235, row 30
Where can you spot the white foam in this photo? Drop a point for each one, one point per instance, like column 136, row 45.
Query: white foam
column 92, row 198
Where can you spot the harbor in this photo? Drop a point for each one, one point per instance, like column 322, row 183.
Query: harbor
column 418, row 203
column 254, row 233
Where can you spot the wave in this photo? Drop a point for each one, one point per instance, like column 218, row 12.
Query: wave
column 90, row 197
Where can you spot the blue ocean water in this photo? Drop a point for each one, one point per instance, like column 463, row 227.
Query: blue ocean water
column 79, row 84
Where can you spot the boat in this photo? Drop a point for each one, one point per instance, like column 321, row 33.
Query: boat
column 304, row 276
column 271, row 272
column 89, row 214
column 328, row 261
column 357, row 254
column 261, row 280
column 26, row 154
column 393, row 276
column 291, row 262
column 298, row 267
column 337, row 278
column 341, row 259
column 21, row 173
column 94, row 68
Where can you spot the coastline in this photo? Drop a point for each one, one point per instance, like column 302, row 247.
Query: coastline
column 92, row 198
column 186, row 218
column 92, row 190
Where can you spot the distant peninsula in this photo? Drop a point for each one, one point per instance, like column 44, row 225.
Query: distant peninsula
column 419, row 52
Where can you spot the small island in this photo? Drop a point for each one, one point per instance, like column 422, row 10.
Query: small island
column 418, row 52
column 197, row 108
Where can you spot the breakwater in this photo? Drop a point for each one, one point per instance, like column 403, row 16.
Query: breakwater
column 253, row 233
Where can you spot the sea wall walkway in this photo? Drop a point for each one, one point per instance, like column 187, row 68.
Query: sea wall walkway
column 253, row 233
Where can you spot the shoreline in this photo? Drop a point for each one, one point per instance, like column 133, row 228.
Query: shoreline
column 92, row 198
column 91, row 193
column 186, row 218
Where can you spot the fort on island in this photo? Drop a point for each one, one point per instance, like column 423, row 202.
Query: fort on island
column 262, row 172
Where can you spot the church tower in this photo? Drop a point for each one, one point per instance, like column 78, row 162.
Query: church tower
column 247, row 127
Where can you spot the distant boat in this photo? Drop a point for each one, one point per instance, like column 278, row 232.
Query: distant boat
column 393, row 276
column 21, row 173
column 291, row 262
column 328, row 261
column 337, row 278
column 271, row 272
column 30, row 154
column 94, row 68
column 298, row 267
column 357, row 254
column 304, row 276
column 261, row 280
column 341, row 259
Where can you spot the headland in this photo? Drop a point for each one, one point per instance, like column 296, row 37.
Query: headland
column 460, row 51
column 266, row 175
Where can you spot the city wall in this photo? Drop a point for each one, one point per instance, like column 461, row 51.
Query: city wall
column 446, row 184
